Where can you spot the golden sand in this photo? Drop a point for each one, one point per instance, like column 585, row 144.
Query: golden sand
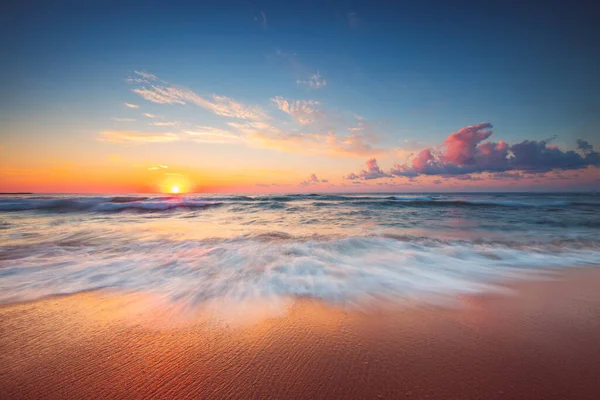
column 541, row 342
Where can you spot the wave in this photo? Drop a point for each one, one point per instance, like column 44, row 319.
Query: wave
column 268, row 202
column 509, row 203
column 103, row 204
column 273, row 266
column 430, row 201
column 412, row 198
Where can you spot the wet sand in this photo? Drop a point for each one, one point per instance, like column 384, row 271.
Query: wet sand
column 540, row 342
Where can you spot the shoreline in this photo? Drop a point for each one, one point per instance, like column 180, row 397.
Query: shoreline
column 538, row 342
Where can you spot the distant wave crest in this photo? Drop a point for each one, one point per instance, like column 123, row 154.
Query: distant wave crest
column 272, row 202
column 102, row 204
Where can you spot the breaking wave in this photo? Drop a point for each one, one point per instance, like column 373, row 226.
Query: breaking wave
column 276, row 265
column 103, row 204
column 146, row 203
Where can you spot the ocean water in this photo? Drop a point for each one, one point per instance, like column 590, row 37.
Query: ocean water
column 345, row 249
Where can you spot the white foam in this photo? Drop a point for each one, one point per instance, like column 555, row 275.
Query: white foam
column 346, row 271
column 413, row 198
column 509, row 203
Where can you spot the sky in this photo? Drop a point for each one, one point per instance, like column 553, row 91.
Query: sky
column 312, row 96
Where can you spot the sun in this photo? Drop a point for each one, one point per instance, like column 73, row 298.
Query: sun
column 174, row 185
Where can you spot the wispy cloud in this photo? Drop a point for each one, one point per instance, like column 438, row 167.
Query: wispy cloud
column 124, row 119
column 264, row 20
column 354, row 20
column 284, row 54
column 157, row 167
column 149, row 115
column 314, row 81
column 163, row 123
column 219, row 105
column 146, row 75
column 23, row 171
column 137, row 137
column 208, row 134
column 304, row 112
column 265, row 135
column 131, row 105
column 256, row 128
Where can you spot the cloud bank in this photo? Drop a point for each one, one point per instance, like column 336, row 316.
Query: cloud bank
column 466, row 152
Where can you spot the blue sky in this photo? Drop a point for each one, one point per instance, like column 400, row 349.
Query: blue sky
column 415, row 72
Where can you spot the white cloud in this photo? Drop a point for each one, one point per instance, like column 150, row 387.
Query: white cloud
column 124, row 119
column 131, row 105
column 220, row 105
column 149, row 115
column 146, row 75
column 137, row 137
column 165, row 123
column 264, row 19
column 158, row 167
column 209, row 134
column 314, row 81
column 304, row 112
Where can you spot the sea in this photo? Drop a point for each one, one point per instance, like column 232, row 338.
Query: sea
column 345, row 249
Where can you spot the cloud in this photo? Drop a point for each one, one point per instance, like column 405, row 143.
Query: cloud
column 315, row 81
column 265, row 135
column 131, row 105
column 304, row 112
column 136, row 137
column 149, row 115
column 584, row 146
column 468, row 177
column 313, row 180
column 264, row 20
column 146, row 75
column 124, row 119
column 354, row 20
column 506, row 175
column 465, row 152
column 256, row 128
column 219, row 105
column 157, row 167
column 372, row 172
column 208, row 134
column 536, row 156
column 17, row 171
column 284, row 54
column 159, row 95
column 165, row 123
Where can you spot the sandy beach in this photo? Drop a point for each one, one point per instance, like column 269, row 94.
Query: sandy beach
column 538, row 342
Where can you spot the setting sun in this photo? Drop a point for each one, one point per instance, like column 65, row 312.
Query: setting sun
column 175, row 189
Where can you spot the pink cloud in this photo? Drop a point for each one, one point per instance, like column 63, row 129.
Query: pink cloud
column 372, row 172
column 465, row 152
column 313, row 180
